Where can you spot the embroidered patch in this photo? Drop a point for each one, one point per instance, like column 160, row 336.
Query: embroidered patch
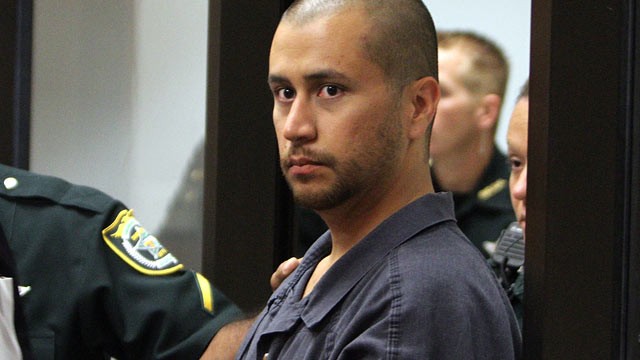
column 127, row 238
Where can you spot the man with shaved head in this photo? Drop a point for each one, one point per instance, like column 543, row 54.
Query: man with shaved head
column 355, row 93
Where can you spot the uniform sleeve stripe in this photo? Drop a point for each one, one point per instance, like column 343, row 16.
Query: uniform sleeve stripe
column 205, row 292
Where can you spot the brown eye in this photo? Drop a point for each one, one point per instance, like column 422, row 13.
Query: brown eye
column 287, row 93
column 284, row 94
column 332, row 90
column 515, row 164
column 329, row 91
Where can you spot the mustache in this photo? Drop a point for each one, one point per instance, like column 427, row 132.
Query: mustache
column 310, row 155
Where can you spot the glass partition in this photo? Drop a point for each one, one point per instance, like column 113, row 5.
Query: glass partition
column 119, row 91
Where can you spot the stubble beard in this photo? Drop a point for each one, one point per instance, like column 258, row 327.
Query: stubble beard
column 326, row 197
column 367, row 170
column 330, row 196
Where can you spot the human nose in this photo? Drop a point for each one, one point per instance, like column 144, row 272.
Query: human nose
column 300, row 122
column 520, row 187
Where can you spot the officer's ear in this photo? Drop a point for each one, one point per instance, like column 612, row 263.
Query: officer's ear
column 488, row 111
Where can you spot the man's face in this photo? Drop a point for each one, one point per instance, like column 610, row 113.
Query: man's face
column 454, row 128
column 517, row 145
column 337, row 122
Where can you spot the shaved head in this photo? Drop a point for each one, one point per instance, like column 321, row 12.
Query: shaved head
column 402, row 40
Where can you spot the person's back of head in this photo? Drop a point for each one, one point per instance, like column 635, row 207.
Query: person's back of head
column 486, row 69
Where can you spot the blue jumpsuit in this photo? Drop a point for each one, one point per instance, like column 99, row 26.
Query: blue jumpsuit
column 414, row 288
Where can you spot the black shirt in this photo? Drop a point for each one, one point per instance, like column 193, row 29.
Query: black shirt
column 484, row 212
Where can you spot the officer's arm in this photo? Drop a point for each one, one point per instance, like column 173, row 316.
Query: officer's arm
column 228, row 340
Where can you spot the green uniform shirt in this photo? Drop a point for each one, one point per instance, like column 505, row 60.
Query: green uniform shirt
column 95, row 283
column 486, row 211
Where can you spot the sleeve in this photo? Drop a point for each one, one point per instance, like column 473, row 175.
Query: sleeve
column 141, row 303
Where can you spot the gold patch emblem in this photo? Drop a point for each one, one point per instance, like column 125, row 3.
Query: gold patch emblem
column 133, row 244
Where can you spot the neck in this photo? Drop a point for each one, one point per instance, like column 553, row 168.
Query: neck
column 461, row 172
column 352, row 221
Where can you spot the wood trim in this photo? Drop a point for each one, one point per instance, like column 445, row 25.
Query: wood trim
column 576, row 242
column 15, row 76
column 245, row 214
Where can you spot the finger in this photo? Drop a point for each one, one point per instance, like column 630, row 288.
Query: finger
column 285, row 269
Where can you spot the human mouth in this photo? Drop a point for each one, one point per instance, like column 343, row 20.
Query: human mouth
column 302, row 166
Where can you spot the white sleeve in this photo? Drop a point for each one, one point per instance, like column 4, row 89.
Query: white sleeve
column 9, row 347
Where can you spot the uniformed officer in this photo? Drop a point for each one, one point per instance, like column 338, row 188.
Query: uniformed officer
column 484, row 211
column 510, row 272
column 95, row 282
column 473, row 73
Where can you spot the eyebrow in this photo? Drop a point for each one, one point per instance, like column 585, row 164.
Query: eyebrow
column 315, row 76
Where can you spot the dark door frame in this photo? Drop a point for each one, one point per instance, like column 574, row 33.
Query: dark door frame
column 582, row 225
column 16, row 23
column 247, row 211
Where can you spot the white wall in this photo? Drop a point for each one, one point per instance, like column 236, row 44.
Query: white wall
column 508, row 23
column 81, row 94
column 169, row 99
column 119, row 95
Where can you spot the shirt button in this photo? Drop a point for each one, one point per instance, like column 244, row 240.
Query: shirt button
column 10, row 183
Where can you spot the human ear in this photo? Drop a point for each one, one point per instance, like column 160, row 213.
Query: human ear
column 488, row 111
column 425, row 94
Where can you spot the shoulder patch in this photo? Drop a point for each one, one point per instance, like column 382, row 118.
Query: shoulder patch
column 133, row 244
column 490, row 190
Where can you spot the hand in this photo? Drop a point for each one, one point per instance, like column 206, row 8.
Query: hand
column 228, row 340
column 285, row 269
